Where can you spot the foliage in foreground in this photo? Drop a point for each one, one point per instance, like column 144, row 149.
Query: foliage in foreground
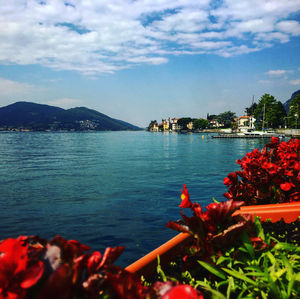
column 268, row 176
column 31, row 267
column 243, row 263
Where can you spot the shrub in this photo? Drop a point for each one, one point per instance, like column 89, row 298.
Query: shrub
column 269, row 176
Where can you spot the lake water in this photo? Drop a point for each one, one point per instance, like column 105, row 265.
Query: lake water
column 109, row 188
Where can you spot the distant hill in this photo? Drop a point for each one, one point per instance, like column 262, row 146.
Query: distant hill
column 287, row 103
column 37, row 117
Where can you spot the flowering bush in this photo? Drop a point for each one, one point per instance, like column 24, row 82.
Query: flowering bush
column 31, row 267
column 214, row 228
column 232, row 257
column 271, row 175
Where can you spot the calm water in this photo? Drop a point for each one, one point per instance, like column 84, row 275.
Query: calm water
column 109, row 188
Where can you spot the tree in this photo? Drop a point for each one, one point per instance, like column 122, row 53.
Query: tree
column 294, row 110
column 269, row 113
column 182, row 122
column 200, row 123
column 250, row 110
column 151, row 125
column 226, row 118
column 211, row 117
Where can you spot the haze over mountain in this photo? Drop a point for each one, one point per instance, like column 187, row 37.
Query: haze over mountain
column 38, row 117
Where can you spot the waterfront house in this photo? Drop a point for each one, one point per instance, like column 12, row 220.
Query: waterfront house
column 166, row 124
column 175, row 126
column 245, row 123
column 214, row 123
column 155, row 127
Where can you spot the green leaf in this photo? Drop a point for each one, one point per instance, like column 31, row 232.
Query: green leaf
column 288, row 266
column 215, row 201
column 272, row 285
column 286, row 246
column 243, row 249
column 297, row 277
column 291, row 285
column 239, row 275
column 230, row 287
column 259, row 228
column 202, row 284
column 279, row 273
column 159, row 270
column 207, row 287
column 271, row 257
column 263, row 295
column 248, row 245
column 212, row 269
column 254, row 268
column 222, row 259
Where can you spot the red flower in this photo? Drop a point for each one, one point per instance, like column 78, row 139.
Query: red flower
column 266, row 174
column 17, row 271
column 270, row 167
column 275, row 140
column 258, row 243
column 182, row 291
column 286, row 186
column 227, row 181
column 185, row 197
column 93, row 262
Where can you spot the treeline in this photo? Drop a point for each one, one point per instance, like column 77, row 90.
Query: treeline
column 268, row 113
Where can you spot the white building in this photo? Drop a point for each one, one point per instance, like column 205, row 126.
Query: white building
column 245, row 123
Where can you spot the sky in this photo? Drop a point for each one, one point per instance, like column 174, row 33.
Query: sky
column 143, row 60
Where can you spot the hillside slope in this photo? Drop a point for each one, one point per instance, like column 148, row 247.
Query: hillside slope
column 38, row 117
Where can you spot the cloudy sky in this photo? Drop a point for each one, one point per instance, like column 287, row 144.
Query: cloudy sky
column 140, row 60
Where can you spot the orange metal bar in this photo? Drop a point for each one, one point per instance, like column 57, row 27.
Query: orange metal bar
column 146, row 265
column 271, row 207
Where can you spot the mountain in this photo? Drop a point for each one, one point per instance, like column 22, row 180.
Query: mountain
column 38, row 117
column 287, row 103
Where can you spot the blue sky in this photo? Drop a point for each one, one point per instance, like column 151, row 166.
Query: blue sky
column 140, row 60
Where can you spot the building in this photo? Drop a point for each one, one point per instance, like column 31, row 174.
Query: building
column 155, row 127
column 245, row 123
column 215, row 124
column 166, row 124
column 174, row 123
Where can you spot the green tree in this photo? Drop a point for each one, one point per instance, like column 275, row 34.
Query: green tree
column 294, row 112
column 182, row 122
column 226, row 118
column 269, row 113
column 211, row 117
column 152, row 123
column 250, row 110
column 200, row 123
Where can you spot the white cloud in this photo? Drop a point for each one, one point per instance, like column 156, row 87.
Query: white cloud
column 289, row 27
column 65, row 103
column 276, row 72
column 104, row 36
column 9, row 88
column 295, row 82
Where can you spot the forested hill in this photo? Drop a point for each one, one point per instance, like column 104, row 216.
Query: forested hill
column 286, row 104
column 37, row 117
